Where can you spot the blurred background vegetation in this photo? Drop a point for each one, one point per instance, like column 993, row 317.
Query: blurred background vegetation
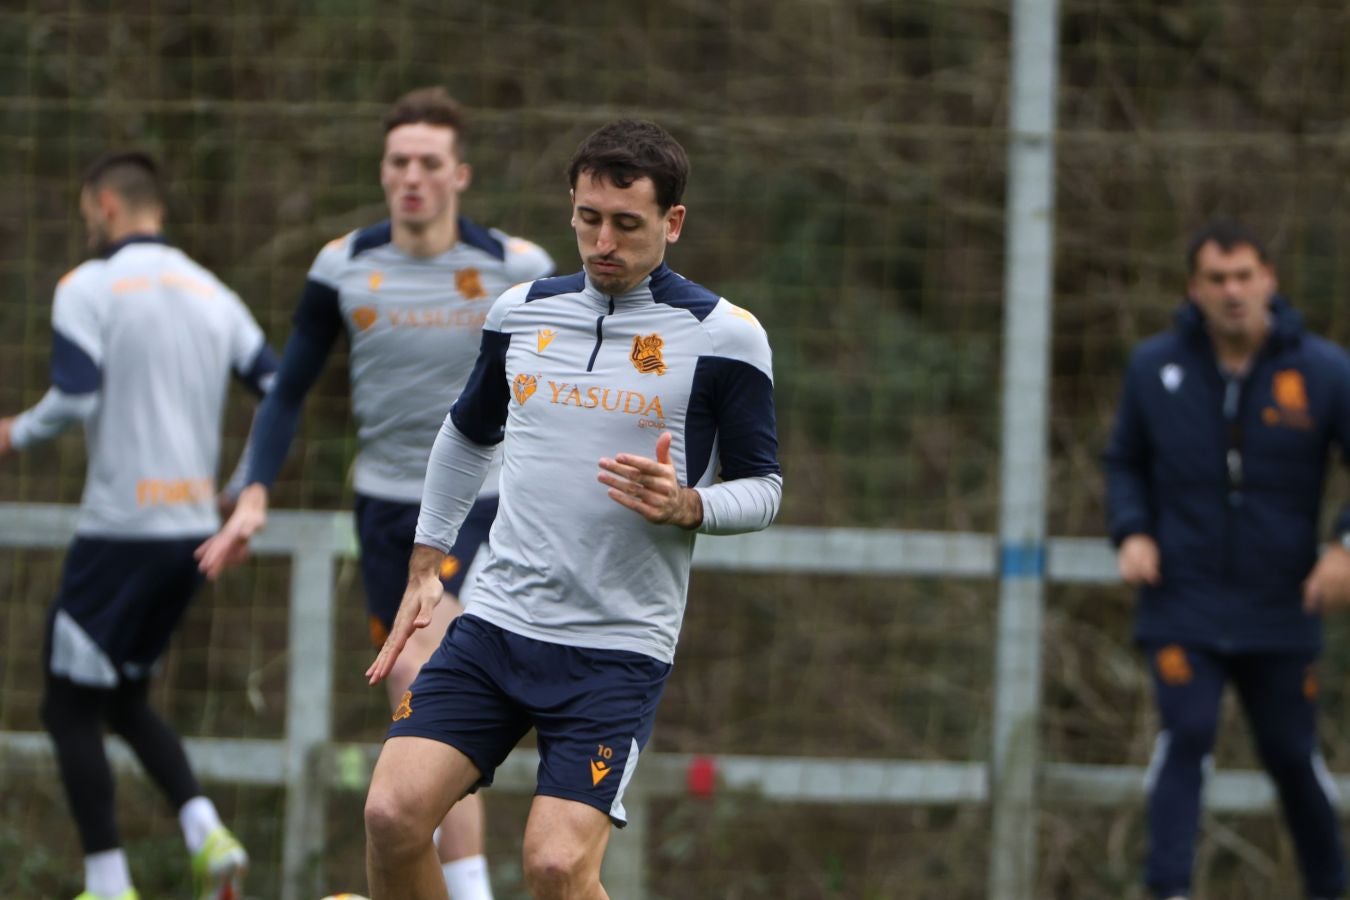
column 848, row 187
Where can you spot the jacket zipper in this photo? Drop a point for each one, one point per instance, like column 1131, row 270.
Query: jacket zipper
column 599, row 334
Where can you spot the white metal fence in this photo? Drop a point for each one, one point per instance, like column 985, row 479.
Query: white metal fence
column 309, row 763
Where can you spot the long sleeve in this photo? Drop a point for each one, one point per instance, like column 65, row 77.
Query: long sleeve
column 455, row 472
column 745, row 504
column 1127, row 466
column 50, row 416
column 317, row 324
column 76, row 369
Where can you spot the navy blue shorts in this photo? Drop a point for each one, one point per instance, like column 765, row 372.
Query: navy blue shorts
column 387, row 530
column 118, row 605
column 593, row 710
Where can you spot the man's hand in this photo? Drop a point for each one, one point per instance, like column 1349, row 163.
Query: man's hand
column 424, row 591
column 649, row 487
column 229, row 546
column 6, row 439
column 1327, row 587
column 1138, row 561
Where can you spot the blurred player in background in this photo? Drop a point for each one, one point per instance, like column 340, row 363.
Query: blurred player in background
column 144, row 342
column 1215, row 473
column 625, row 373
column 411, row 294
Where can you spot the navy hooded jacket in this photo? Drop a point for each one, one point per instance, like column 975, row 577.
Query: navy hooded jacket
column 1236, row 542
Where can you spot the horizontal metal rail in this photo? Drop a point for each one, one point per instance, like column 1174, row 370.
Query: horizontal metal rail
column 781, row 549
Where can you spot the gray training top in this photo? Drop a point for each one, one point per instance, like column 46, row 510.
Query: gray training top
column 144, row 343
column 567, row 375
column 413, row 324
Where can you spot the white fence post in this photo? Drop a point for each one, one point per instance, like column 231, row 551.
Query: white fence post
column 309, row 724
column 1028, row 285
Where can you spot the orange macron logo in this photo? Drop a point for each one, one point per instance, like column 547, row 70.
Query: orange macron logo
column 524, row 387
column 449, row 567
column 376, row 279
column 404, row 709
column 599, row 770
column 470, row 284
column 646, row 355
column 364, row 316
column 1173, row 666
column 546, row 336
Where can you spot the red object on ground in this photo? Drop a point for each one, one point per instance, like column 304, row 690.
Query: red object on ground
column 702, row 776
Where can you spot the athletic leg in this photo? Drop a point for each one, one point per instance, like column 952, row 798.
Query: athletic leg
column 1279, row 695
column 416, row 781
column 155, row 744
column 1188, row 686
column 73, row 716
column 387, row 531
column 564, row 845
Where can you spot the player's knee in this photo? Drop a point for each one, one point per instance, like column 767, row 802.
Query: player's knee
column 1192, row 736
column 1285, row 759
column 553, row 869
column 392, row 831
column 127, row 711
column 63, row 714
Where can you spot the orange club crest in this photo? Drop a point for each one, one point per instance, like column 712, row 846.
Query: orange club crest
column 646, row 355
column 524, row 387
column 470, row 284
column 363, row 317
column 1173, row 666
column 404, row 709
column 1290, row 391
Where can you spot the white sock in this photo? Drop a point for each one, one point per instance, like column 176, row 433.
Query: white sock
column 198, row 818
column 467, row 878
column 106, row 874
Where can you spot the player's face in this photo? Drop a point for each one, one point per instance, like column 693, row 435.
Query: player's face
column 1233, row 290
column 422, row 175
column 96, row 227
column 621, row 232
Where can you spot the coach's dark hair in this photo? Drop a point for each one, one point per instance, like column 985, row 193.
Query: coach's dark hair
column 625, row 150
column 432, row 105
column 132, row 175
column 1229, row 234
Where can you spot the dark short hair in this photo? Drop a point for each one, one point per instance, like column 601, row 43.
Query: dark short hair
column 131, row 174
column 628, row 149
column 431, row 105
column 1229, row 234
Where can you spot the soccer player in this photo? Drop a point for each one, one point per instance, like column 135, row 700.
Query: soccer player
column 411, row 293
column 626, row 373
column 1215, row 473
column 144, row 342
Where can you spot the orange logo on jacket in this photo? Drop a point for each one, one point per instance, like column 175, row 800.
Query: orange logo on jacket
column 524, row 387
column 1290, row 391
column 646, row 354
column 1173, row 666
column 470, row 284
column 1291, row 396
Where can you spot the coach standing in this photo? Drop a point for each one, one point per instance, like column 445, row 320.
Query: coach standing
column 1215, row 473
